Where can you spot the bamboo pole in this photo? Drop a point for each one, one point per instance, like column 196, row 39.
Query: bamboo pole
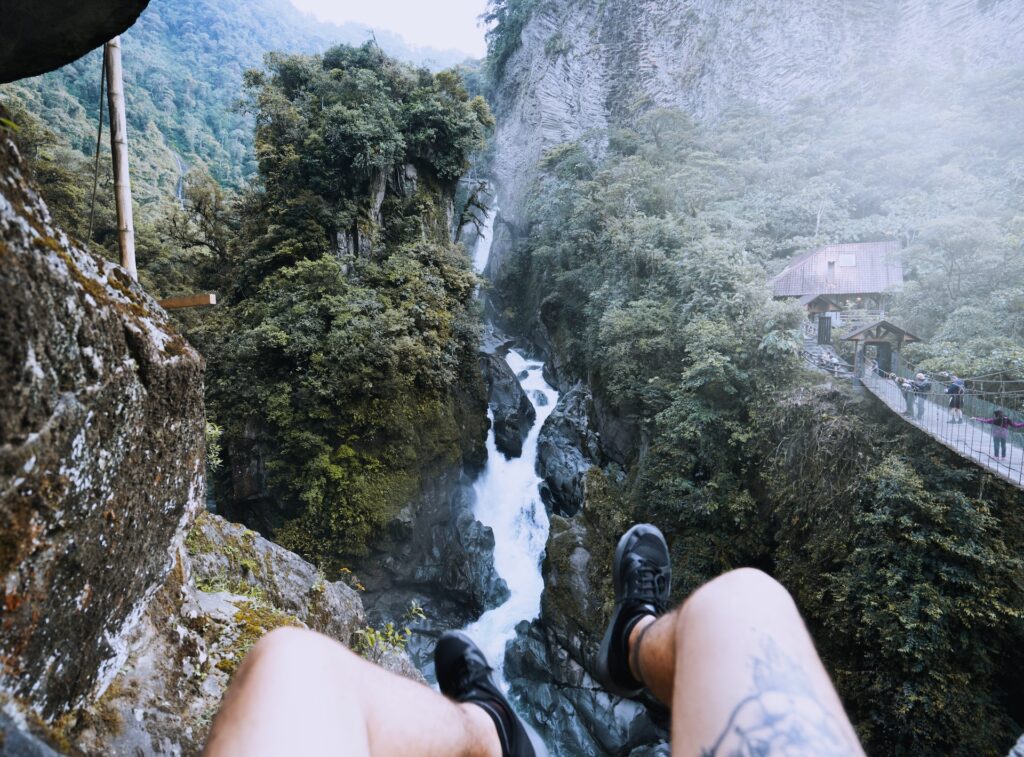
column 119, row 150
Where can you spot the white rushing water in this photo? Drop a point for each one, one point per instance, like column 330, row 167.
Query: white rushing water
column 508, row 501
column 482, row 252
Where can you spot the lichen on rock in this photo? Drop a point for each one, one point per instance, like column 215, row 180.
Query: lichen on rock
column 229, row 589
column 101, row 453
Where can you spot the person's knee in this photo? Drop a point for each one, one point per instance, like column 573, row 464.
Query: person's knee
column 740, row 589
column 293, row 648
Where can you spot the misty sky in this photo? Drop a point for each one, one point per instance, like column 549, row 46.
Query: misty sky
column 440, row 24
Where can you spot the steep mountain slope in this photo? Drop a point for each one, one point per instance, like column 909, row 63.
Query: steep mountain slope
column 578, row 67
column 655, row 162
column 183, row 64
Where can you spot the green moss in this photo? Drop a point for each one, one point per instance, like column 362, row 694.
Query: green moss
column 240, row 550
column 197, row 542
column 233, row 584
column 252, row 622
column 104, row 716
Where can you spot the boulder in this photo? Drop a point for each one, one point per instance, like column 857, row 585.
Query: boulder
column 566, row 450
column 511, row 409
column 566, row 706
column 101, row 453
column 551, row 661
column 40, row 37
column 229, row 588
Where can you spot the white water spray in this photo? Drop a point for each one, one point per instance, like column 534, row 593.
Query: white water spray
column 482, row 252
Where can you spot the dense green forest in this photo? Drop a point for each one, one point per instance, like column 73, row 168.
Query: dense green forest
column 183, row 68
column 350, row 327
column 319, row 204
column 647, row 269
column 345, row 344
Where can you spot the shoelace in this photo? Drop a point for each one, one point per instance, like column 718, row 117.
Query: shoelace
column 644, row 583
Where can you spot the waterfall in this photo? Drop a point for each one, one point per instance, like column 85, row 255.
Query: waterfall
column 482, row 252
column 508, row 501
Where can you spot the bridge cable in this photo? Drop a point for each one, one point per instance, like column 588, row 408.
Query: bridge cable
column 99, row 136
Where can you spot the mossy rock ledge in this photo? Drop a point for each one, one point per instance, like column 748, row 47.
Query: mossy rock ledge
column 229, row 588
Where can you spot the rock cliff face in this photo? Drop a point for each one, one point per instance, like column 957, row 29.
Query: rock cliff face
column 101, row 453
column 585, row 64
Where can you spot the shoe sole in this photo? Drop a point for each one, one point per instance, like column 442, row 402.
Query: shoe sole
column 606, row 642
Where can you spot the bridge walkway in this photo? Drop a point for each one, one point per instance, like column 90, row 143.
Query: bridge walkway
column 970, row 439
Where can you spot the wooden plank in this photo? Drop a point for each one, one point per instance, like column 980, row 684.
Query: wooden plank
column 119, row 151
column 189, row 301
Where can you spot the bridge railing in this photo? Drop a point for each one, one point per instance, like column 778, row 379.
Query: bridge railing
column 931, row 412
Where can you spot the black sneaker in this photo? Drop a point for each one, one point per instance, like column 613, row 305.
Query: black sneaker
column 464, row 675
column 642, row 575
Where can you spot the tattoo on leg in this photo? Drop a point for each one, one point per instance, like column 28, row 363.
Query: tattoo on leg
column 782, row 717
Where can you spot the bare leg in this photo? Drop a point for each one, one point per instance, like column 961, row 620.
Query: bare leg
column 741, row 674
column 298, row 692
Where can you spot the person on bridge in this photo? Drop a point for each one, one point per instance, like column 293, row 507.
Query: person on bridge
column 921, row 387
column 734, row 662
column 955, row 390
column 1001, row 424
column 907, row 389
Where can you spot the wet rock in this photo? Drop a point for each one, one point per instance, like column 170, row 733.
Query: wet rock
column 439, row 556
column 101, row 453
column 550, row 663
column 513, row 413
column 40, row 37
column 568, row 708
column 494, row 340
column 566, row 450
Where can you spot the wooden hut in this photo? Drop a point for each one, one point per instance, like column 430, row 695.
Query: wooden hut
column 860, row 276
column 887, row 339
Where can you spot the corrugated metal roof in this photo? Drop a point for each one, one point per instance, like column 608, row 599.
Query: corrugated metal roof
column 842, row 269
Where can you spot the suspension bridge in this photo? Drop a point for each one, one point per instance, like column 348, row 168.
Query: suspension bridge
column 931, row 412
